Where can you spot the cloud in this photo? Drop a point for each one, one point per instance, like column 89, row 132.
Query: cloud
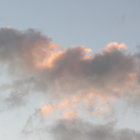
column 111, row 69
column 33, row 62
column 78, row 129
column 74, row 83
column 22, row 50
column 47, row 109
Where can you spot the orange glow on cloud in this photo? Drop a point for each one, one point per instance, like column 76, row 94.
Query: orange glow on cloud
column 47, row 109
column 113, row 45
column 63, row 103
column 49, row 57
column 70, row 107
column 43, row 55
column 48, row 62
column 70, row 114
column 92, row 98
column 52, row 58
column 54, row 46
column 133, row 81
column 86, row 50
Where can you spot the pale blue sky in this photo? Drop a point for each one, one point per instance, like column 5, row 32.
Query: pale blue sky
column 91, row 23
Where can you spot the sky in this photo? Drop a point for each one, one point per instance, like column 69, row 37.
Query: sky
column 70, row 69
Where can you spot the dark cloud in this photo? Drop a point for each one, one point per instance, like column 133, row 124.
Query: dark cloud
column 20, row 49
column 108, row 70
column 79, row 130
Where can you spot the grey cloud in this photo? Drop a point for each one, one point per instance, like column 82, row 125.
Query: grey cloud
column 107, row 70
column 19, row 51
column 15, row 94
column 74, row 69
column 18, row 48
column 111, row 71
column 34, row 121
column 77, row 129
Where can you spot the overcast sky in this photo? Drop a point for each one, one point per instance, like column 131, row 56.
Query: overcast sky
column 69, row 69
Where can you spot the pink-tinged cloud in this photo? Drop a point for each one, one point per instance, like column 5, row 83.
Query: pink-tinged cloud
column 29, row 56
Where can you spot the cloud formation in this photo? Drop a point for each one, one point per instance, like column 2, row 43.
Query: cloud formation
column 110, row 70
column 23, row 49
column 33, row 62
column 75, row 83
column 79, row 130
